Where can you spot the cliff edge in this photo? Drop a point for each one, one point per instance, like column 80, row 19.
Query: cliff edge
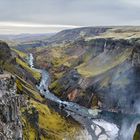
column 10, row 125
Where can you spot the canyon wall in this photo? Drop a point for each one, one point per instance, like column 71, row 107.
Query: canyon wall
column 10, row 124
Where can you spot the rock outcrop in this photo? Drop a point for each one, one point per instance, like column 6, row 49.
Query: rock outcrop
column 10, row 125
column 5, row 52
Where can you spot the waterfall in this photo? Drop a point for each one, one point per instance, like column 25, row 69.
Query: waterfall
column 31, row 60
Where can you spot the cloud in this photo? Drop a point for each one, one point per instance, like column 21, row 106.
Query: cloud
column 71, row 12
column 135, row 3
column 22, row 27
column 33, row 25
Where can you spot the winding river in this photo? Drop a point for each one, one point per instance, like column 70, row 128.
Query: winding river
column 99, row 125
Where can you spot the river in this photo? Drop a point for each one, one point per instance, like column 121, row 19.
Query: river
column 99, row 125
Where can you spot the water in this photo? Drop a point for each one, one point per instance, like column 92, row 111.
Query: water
column 98, row 128
column 31, row 60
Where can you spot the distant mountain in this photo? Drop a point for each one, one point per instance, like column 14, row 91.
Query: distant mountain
column 71, row 35
column 29, row 41
column 26, row 41
column 74, row 34
column 25, row 37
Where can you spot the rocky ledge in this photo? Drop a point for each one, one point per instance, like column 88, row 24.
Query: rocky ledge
column 10, row 125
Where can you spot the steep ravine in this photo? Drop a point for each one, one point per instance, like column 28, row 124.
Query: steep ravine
column 100, row 71
column 101, row 125
column 35, row 110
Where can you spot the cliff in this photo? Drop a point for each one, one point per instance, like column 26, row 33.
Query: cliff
column 10, row 124
column 22, row 110
column 96, row 68
column 5, row 52
column 110, row 73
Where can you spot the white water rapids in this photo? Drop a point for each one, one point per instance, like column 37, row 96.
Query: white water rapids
column 95, row 128
column 31, row 60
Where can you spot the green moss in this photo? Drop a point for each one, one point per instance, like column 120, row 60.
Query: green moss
column 94, row 102
column 20, row 53
column 27, row 89
column 99, row 65
column 24, row 65
column 137, row 133
column 29, row 133
column 54, row 126
column 56, row 87
column 11, row 68
column 19, row 85
column 58, row 75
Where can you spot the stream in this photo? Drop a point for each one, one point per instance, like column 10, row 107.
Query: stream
column 98, row 124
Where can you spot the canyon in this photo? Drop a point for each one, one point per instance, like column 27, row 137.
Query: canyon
column 86, row 77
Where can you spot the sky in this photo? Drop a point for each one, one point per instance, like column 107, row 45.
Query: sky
column 45, row 16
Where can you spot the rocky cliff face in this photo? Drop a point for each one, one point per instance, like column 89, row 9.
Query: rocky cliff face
column 108, row 70
column 10, row 125
column 5, row 52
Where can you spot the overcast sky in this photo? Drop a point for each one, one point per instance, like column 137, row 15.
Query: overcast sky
column 43, row 16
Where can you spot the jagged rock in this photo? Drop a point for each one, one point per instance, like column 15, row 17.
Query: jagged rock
column 10, row 125
column 5, row 52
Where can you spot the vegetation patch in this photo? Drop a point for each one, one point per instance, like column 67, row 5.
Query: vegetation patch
column 20, row 53
column 49, row 124
column 25, row 66
column 100, row 64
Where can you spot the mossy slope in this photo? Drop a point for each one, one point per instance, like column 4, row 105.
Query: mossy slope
column 38, row 120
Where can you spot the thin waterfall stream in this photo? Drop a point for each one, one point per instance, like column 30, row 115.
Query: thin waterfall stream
column 97, row 123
